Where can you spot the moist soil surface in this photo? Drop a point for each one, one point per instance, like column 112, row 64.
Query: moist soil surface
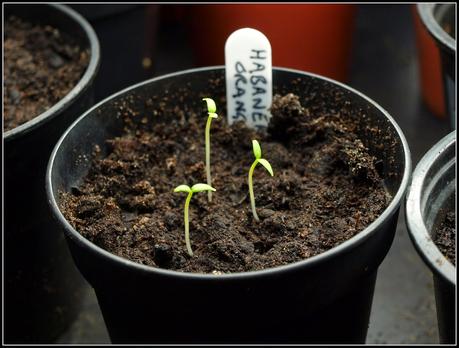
column 326, row 188
column 41, row 65
column 445, row 236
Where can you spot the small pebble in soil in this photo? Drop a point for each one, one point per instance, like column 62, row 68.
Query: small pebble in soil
column 265, row 213
column 170, row 219
column 55, row 60
column 14, row 95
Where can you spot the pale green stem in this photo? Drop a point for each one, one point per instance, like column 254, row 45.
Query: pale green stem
column 252, row 197
column 187, row 226
column 209, row 179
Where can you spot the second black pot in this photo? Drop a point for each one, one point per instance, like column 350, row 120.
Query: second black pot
column 431, row 194
column 324, row 299
column 42, row 286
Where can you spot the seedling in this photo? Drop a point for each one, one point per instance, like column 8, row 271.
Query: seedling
column 211, row 108
column 257, row 153
column 190, row 191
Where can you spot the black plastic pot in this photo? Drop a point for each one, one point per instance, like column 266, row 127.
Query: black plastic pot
column 432, row 192
column 41, row 283
column 326, row 298
column 127, row 33
column 436, row 17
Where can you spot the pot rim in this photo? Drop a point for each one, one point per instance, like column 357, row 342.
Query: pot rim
column 414, row 219
column 98, row 11
column 426, row 12
column 343, row 247
column 76, row 91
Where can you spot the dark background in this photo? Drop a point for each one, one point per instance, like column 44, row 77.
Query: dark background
column 384, row 67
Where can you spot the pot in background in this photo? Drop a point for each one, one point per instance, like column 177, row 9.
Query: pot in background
column 429, row 68
column 309, row 37
column 42, row 286
column 433, row 191
column 324, row 299
column 440, row 21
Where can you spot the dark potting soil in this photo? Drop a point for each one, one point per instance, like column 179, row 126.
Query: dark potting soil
column 326, row 188
column 41, row 65
column 445, row 236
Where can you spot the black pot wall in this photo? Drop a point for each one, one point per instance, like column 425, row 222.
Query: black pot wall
column 127, row 34
column 432, row 194
column 445, row 290
column 42, row 286
column 325, row 299
column 446, row 309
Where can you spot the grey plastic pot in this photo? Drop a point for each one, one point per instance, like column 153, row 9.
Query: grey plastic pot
column 326, row 298
column 435, row 17
column 42, row 286
column 433, row 191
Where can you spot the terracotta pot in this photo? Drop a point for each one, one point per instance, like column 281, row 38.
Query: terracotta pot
column 314, row 38
column 440, row 21
column 429, row 65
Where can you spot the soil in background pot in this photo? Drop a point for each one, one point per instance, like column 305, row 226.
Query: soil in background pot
column 41, row 65
column 445, row 236
column 326, row 188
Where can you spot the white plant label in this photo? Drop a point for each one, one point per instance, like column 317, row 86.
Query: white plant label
column 248, row 66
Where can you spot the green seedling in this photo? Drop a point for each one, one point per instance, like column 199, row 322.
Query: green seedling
column 190, row 191
column 257, row 153
column 212, row 109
